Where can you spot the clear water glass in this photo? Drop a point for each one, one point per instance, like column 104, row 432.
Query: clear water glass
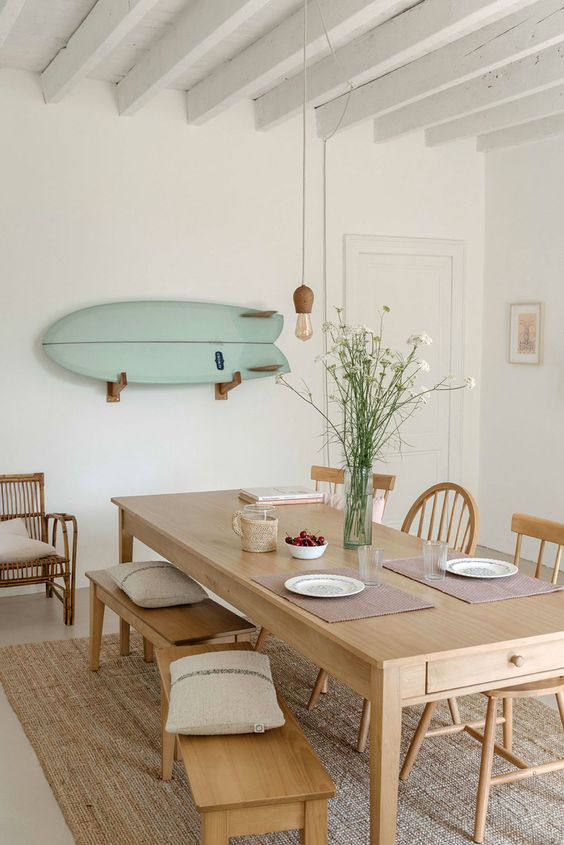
column 370, row 559
column 434, row 560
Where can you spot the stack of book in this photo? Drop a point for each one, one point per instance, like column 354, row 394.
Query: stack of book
column 280, row 496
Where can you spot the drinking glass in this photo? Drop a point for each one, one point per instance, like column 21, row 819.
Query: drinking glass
column 259, row 513
column 434, row 560
column 370, row 559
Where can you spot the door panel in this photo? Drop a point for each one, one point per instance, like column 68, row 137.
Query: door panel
column 417, row 281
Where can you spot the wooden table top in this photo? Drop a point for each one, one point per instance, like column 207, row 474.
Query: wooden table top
column 200, row 525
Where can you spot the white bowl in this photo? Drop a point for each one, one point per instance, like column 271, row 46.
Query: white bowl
column 306, row 552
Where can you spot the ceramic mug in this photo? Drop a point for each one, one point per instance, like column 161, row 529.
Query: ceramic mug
column 257, row 526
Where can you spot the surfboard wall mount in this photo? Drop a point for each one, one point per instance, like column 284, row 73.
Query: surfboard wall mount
column 222, row 389
column 168, row 342
column 114, row 388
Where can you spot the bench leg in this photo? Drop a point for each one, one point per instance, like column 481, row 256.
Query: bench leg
column 124, row 630
column 315, row 825
column 261, row 639
column 96, row 624
column 215, row 830
column 147, row 650
column 168, row 741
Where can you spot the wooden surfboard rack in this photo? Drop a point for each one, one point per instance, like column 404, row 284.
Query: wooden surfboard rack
column 114, row 388
column 222, row 389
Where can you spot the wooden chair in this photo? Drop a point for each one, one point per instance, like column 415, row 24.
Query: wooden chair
column 445, row 512
column 161, row 627
column 457, row 524
column 381, row 484
column 244, row 784
column 23, row 496
column 547, row 532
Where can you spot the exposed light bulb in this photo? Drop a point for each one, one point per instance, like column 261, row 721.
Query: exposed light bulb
column 304, row 329
column 303, row 303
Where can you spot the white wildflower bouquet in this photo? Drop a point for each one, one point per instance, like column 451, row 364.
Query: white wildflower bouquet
column 373, row 391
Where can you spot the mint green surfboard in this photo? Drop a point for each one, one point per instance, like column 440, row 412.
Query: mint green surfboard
column 167, row 342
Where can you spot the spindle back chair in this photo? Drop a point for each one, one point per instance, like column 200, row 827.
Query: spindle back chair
column 23, row 497
column 544, row 530
column 445, row 512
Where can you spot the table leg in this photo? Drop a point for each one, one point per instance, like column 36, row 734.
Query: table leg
column 125, row 541
column 385, row 738
column 125, row 555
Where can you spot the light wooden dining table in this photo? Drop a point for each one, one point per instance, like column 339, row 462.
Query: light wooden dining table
column 394, row 661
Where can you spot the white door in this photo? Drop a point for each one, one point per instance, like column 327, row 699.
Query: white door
column 421, row 281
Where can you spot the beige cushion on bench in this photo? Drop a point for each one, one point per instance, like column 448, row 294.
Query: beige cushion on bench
column 156, row 583
column 223, row 692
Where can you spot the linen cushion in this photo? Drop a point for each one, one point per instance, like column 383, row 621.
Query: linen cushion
column 223, row 692
column 14, row 548
column 156, row 583
column 13, row 526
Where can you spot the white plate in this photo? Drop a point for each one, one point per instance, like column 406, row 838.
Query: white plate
column 324, row 586
column 481, row 567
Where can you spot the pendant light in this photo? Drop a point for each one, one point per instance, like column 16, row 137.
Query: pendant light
column 303, row 295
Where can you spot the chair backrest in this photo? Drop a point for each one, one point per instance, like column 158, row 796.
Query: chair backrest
column 23, row 496
column 445, row 512
column 381, row 484
column 544, row 530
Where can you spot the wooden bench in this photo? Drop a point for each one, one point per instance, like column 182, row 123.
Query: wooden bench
column 161, row 627
column 244, row 784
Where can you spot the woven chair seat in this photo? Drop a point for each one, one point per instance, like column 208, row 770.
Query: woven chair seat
column 41, row 568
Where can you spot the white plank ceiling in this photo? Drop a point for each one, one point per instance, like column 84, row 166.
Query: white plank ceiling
column 491, row 69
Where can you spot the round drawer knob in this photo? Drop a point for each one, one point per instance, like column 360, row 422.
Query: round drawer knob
column 517, row 660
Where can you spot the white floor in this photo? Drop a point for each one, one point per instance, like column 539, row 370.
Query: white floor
column 29, row 814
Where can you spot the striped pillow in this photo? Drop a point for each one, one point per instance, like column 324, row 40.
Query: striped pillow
column 156, row 583
column 223, row 692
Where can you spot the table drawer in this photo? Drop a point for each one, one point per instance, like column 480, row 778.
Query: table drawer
column 496, row 665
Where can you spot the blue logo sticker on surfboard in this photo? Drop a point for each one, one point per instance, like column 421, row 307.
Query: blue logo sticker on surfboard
column 167, row 342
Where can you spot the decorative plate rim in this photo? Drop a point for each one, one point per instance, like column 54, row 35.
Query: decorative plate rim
column 511, row 568
column 318, row 575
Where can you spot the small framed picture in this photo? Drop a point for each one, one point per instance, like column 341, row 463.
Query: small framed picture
column 525, row 333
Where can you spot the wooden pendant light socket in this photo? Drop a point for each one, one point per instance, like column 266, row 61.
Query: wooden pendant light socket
column 303, row 300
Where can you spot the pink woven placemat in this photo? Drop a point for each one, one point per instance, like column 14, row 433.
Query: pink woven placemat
column 473, row 590
column 373, row 601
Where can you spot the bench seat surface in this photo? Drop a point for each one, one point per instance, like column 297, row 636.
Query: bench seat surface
column 180, row 624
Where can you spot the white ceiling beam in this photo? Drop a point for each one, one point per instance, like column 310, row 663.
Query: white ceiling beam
column 103, row 29
column 399, row 40
column 279, row 52
column 535, row 130
column 518, row 111
column 514, row 80
column 9, row 11
column 514, row 36
column 199, row 28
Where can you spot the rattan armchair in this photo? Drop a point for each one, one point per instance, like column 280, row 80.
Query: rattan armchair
column 23, row 496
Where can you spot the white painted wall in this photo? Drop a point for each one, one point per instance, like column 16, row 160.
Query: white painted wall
column 94, row 207
column 522, row 460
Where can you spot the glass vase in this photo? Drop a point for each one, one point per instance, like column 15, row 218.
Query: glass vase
column 358, row 507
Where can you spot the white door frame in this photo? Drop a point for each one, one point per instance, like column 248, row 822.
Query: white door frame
column 356, row 245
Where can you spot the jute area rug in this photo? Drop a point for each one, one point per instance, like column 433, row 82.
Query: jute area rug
column 97, row 738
